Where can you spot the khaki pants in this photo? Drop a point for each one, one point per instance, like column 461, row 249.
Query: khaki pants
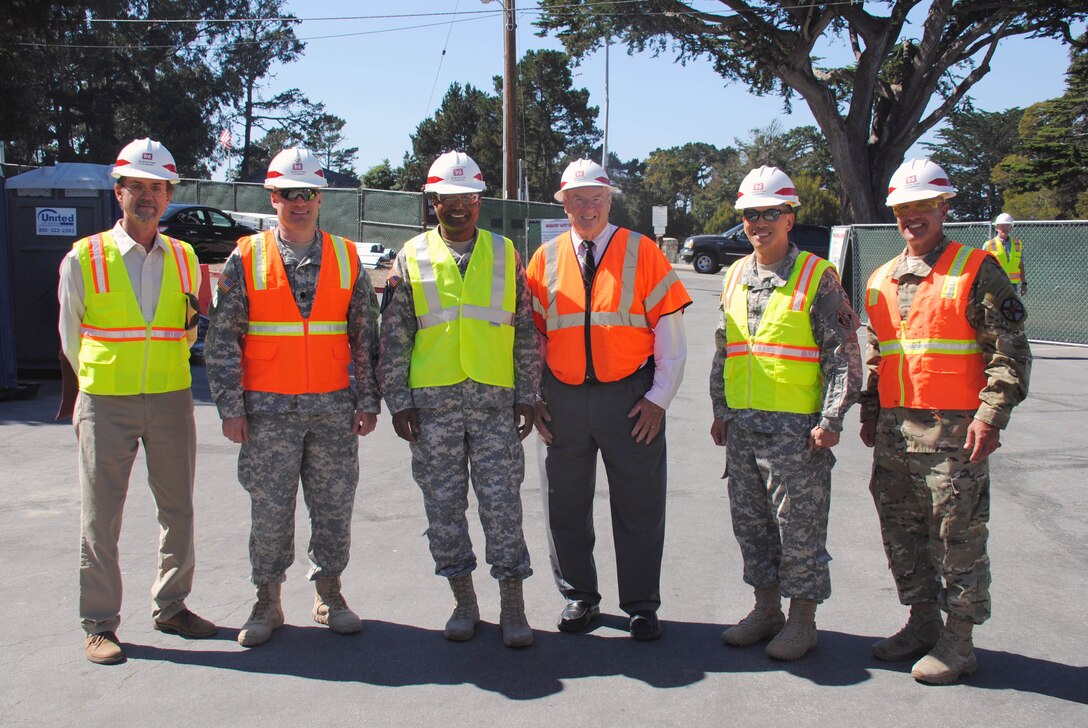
column 109, row 430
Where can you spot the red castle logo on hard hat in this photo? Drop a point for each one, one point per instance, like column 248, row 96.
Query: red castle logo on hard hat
column 297, row 166
column 912, row 179
column 458, row 171
column 580, row 173
column 148, row 156
column 757, row 187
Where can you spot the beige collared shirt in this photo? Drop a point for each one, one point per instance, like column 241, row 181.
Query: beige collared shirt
column 144, row 270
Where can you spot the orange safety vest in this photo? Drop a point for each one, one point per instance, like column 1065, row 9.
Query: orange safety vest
column 283, row 352
column 932, row 360
column 633, row 287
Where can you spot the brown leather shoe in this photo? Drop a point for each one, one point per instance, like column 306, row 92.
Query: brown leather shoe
column 104, row 649
column 188, row 625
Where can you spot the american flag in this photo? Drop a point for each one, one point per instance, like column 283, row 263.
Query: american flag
column 225, row 139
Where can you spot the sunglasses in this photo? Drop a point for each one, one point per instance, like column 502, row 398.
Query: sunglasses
column 769, row 215
column 470, row 198
column 917, row 206
column 297, row 193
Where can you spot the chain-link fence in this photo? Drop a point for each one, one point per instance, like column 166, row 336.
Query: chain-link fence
column 376, row 216
column 1054, row 260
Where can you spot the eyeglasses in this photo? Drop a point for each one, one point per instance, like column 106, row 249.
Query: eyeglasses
column 469, row 198
column 908, row 208
column 297, row 193
column 769, row 215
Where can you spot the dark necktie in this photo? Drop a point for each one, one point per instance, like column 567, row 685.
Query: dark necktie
column 589, row 265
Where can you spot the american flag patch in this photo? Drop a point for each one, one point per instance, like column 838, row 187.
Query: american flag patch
column 393, row 279
column 225, row 284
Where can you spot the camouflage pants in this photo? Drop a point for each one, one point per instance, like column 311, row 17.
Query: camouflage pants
column 450, row 442
column 779, row 498
column 322, row 451
column 933, row 509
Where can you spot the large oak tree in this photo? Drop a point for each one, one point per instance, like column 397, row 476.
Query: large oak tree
column 912, row 63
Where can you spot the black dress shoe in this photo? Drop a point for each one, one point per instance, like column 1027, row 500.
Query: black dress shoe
column 645, row 626
column 577, row 616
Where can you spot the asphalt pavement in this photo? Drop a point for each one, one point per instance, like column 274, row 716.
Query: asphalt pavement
column 400, row 671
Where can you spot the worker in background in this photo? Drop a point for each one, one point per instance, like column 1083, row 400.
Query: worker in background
column 787, row 367
column 1009, row 251
column 948, row 360
column 611, row 310
column 127, row 320
column 460, row 368
column 294, row 310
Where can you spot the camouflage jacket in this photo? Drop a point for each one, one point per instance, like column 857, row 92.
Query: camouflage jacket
column 398, row 333
column 230, row 321
column 834, row 326
column 997, row 314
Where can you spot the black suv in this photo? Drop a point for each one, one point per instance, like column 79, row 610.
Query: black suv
column 708, row 253
column 212, row 232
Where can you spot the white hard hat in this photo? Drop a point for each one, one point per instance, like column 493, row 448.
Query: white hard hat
column 1004, row 219
column 454, row 173
column 583, row 173
column 766, row 187
column 918, row 179
column 147, row 159
column 295, row 167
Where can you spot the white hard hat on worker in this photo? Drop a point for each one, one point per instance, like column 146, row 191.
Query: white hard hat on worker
column 295, row 167
column 454, row 173
column 583, row 173
column 766, row 187
column 1004, row 219
column 146, row 159
column 918, row 179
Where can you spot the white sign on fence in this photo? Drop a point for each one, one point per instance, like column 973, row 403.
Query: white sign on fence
column 553, row 228
column 660, row 218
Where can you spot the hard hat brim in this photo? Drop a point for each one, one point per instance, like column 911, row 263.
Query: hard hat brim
column 131, row 171
column 451, row 188
column 901, row 197
column 750, row 201
column 583, row 183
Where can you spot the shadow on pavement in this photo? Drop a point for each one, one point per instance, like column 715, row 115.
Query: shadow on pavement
column 394, row 655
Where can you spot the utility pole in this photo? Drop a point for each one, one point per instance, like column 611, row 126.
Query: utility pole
column 604, row 144
column 510, row 188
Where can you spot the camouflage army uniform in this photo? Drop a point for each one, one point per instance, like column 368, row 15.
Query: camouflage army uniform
column 779, row 490
column 934, row 503
column 462, row 426
column 293, row 436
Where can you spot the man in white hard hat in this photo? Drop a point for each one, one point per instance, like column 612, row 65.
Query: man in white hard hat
column 127, row 320
column 460, row 367
column 787, row 367
column 948, row 360
column 294, row 310
column 610, row 308
column 1009, row 251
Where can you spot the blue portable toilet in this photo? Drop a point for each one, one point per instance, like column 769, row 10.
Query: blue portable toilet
column 48, row 209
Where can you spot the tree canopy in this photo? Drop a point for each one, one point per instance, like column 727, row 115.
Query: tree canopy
column 909, row 67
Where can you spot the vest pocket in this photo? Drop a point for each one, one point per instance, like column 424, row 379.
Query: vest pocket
column 257, row 349
column 341, row 350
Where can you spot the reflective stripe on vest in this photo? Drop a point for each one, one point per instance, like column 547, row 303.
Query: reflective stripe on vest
column 465, row 325
column 777, row 369
column 633, row 286
column 121, row 353
column 1009, row 257
column 282, row 352
column 932, row 360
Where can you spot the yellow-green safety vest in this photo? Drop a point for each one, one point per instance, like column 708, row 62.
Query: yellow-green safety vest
column 465, row 327
column 1007, row 255
column 119, row 352
column 778, row 369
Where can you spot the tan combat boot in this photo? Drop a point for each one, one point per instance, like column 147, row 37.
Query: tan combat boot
column 515, row 627
column 466, row 611
column 266, row 617
column 917, row 637
column 765, row 620
column 799, row 635
column 331, row 609
column 953, row 655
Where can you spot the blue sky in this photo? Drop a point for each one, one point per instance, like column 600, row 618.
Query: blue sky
column 384, row 76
